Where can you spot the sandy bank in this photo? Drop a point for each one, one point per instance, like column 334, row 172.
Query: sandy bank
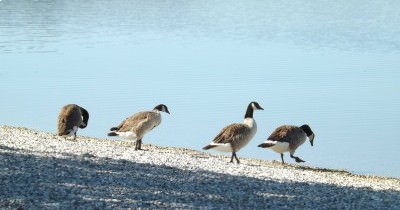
column 41, row 170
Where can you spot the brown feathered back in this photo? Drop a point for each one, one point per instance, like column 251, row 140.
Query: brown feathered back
column 140, row 122
column 69, row 116
column 294, row 135
column 233, row 133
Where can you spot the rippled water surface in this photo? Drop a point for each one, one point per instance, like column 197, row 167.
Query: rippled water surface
column 333, row 65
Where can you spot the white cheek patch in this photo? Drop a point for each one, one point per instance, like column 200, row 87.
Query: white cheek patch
column 311, row 137
column 253, row 106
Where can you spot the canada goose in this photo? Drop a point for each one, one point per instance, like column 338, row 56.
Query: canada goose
column 288, row 138
column 235, row 136
column 137, row 125
column 70, row 118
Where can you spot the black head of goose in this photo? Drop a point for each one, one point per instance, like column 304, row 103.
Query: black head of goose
column 287, row 138
column 235, row 136
column 161, row 108
column 70, row 118
column 137, row 125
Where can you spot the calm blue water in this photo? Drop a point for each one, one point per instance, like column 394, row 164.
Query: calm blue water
column 333, row 65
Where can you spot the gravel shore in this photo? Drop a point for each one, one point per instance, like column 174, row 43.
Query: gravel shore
column 42, row 171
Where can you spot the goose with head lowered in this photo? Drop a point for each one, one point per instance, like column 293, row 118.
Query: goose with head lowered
column 137, row 125
column 287, row 138
column 235, row 136
column 70, row 118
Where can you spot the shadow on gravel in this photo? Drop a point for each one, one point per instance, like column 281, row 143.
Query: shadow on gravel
column 88, row 182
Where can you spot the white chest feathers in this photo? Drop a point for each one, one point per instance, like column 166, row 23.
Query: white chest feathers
column 146, row 126
column 72, row 131
column 252, row 125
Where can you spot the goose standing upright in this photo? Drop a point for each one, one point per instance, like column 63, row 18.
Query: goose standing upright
column 70, row 118
column 137, row 125
column 235, row 136
column 289, row 138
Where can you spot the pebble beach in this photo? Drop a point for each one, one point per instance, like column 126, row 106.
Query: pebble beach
column 40, row 170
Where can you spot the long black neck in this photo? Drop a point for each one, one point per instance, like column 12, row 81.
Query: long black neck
column 85, row 115
column 249, row 111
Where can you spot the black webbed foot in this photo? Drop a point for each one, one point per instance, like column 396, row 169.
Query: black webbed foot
column 297, row 159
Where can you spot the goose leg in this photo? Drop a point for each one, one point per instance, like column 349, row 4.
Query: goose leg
column 298, row 160
column 75, row 136
column 234, row 156
column 138, row 144
column 237, row 159
column 283, row 162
